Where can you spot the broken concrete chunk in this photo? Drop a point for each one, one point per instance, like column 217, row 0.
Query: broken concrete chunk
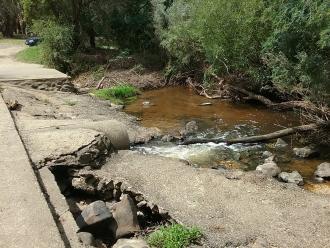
column 95, row 216
column 87, row 239
column 81, row 184
column 13, row 105
column 69, row 148
column 125, row 215
column 131, row 243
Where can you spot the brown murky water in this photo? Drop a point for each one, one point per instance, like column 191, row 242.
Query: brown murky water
column 169, row 109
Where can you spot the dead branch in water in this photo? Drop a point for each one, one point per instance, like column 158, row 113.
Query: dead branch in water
column 308, row 106
column 262, row 138
column 202, row 91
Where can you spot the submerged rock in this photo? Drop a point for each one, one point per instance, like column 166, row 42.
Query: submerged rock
column 305, row 152
column 205, row 104
column 190, row 128
column 168, row 138
column 293, row 177
column 323, row 170
column 125, row 215
column 269, row 168
column 280, row 144
column 131, row 243
column 96, row 216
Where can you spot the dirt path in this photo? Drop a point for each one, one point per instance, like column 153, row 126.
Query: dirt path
column 11, row 69
column 231, row 212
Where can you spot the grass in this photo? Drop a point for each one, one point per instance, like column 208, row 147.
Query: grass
column 30, row 55
column 174, row 236
column 120, row 94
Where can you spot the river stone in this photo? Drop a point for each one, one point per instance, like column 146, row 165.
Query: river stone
column 280, row 144
column 270, row 159
column 323, row 170
column 293, row 177
column 125, row 215
column 267, row 154
column 304, row 152
column 190, row 128
column 167, row 138
column 131, row 243
column 269, row 169
column 96, row 216
column 87, row 239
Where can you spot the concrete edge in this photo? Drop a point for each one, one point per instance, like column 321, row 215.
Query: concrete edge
column 61, row 208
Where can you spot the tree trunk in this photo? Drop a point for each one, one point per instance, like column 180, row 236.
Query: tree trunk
column 92, row 39
column 9, row 28
column 263, row 138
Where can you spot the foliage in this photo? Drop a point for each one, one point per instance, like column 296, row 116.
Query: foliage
column 297, row 51
column 132, row 24
column 9, row 14
column 120, row 94
column 281, row 42
column 56, row 43
column 175, row 236
column 30, row 55
column 215, row 34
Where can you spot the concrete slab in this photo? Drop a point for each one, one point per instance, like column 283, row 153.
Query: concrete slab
column 25, row 218
column 231, row 213
column 13, row 70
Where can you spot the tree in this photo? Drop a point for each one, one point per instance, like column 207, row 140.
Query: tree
column 10, row 11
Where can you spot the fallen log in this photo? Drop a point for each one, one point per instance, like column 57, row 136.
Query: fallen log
column 262, row 138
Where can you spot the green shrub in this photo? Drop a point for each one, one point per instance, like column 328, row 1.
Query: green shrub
column 217, row 33
column 30, row 55
column 57, row 43
column 286, row 43
column 297, row 51
column 118, row 94
column 175, row 236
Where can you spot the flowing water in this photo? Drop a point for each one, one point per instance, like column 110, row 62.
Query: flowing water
column 169, row 109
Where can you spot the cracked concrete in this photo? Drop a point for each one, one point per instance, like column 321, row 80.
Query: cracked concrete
column 25, row 218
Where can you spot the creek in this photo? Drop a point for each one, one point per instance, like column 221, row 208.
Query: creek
column 169, row 109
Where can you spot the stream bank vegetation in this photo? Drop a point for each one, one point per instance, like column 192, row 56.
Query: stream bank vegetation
column 119, row 94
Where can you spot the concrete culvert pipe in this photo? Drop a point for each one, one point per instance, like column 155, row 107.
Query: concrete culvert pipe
column 115, row 130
